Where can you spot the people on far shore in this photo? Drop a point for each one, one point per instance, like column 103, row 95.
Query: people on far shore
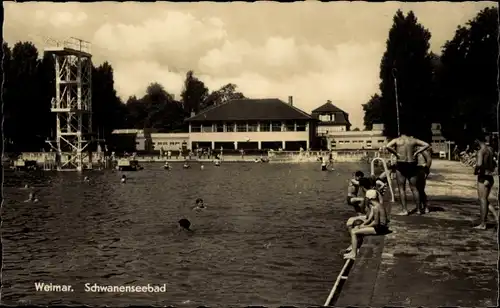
column 485, row 167
column 406, row 149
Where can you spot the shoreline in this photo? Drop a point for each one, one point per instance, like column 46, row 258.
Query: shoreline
column 432, row 260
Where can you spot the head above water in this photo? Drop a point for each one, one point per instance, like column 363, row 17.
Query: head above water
column 359, row 174
column 199, row 201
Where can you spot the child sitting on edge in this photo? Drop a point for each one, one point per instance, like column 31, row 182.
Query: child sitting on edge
column 376, row 223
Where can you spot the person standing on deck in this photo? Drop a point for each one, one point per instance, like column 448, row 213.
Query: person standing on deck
column 424, row 162
column 485, row 166
column 406, row 150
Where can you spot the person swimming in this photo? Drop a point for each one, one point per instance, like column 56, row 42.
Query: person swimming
column 202, row 167
column 406, row 150
column 86, row 180
column 124, row 179
column 167, row 166
column 186, row 165
column 185, row 224
column 324, row 165
column 199, row 205
column 32, row 198
column 217, row 162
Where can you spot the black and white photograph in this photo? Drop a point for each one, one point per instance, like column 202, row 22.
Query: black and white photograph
column 234, row 154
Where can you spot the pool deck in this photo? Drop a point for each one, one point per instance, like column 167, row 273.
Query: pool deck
column 431, row 260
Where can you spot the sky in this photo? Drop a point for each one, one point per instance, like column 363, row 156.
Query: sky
column 310, row 50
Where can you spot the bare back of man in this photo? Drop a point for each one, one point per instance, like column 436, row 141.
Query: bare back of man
column 407, row 149
column 485, row 167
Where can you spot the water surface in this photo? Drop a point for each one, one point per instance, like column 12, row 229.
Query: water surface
column 271, row 235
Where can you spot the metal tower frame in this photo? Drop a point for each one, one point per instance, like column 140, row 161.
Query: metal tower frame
column 73, row 101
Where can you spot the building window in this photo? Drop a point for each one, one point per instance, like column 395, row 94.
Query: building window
column 341, row 141
column 380, row 141
column 302, row 127
column 230, row 127
column 253, row 127
column 368, row 141
column 219, row 128
column 196, row 128
column 276, row 126
column 264, row 126
column 347, row 141
column 333, row 144
column 241, row 127
column 289, row 126
column 207, row 128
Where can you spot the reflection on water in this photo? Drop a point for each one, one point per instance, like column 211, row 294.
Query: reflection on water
column 271, row 234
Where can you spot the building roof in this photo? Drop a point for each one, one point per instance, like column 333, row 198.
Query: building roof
column 341, row 117
column 251, row 110
column 328, row 107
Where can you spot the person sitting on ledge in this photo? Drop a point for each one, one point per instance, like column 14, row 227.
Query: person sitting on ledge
column 353, row 191
column 376, row 223
column 365, row 184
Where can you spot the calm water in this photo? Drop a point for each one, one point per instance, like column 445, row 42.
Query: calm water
column 271, row 234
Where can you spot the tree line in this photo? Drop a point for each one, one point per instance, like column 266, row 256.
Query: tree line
column 457, row 88
column 29, row 87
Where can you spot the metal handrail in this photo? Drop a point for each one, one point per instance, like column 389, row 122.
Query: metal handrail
column 386, row 172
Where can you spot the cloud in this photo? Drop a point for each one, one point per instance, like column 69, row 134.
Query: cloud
column 312, row 51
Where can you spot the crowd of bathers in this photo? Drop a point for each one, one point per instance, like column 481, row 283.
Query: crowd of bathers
column 412, row 165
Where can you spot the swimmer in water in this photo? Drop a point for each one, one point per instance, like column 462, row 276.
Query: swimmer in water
column 199, row 205
column 86, row 180
column 377, row 223
column 217, row 162
column 32, row 198
column 202, row 167
column 186, row 166
column 485, row 166
column 406, row 150
column 124, row 179
column 185, row 224
column 166, row 166
column 25, row 187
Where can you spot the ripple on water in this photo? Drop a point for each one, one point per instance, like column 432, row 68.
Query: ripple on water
column 270, row 235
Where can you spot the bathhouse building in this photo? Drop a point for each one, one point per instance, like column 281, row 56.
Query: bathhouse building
column 247, row 124
column 330, row 119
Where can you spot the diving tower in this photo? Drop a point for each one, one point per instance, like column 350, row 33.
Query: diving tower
column 72, row 103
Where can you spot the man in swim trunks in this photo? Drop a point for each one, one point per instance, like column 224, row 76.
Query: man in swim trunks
column 406, row 150
column 485, row 166
column 376, row 224
column 352, row 192
column 424, row 162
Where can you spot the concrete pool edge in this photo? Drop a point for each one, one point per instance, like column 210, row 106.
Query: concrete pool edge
column 429, row 260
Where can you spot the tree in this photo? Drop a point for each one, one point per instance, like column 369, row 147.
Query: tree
column 194, row 94
column 223, row 95
column 407, row 59
column 467, row 79
column 25, row 106
column 164, row 113
column 108, row 110
column 373, row 112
